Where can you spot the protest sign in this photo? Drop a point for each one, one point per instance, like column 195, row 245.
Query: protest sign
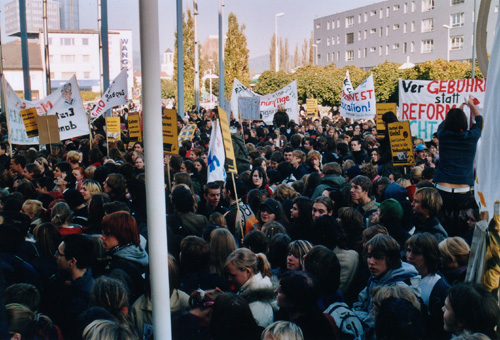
column 401, row 143
column 425, row 103
column 228, row 142
column 115, row 95
column 48, row 130
column 134, row 127
column 381, row 109
column 65, row 103
column 113, row 129
column 187, row 132
column 216, row 156
column 29, row 120
column 312, row 107
column 249, row 108
column 169, row 122
column 358, row 103
column 226, row 106
column 286, row 96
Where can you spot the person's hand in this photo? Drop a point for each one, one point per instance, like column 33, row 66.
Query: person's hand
column 471, row 102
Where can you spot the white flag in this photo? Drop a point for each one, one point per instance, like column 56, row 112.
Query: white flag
column 216, row 156
column 116, row 94
column 359, row 103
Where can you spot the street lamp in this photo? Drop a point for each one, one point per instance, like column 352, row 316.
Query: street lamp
column 276, row 68
column 448, row 43
column 315, row 53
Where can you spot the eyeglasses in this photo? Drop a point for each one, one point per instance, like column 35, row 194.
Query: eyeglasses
column 58, row 254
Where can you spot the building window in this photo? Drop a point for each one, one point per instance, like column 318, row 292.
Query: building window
column 327, row 57
column 366, row 52
column 428, row 25
column 318, row 26
column 333, row 40
column 359, row 35
column 427, row 46
column 373, row 13
column 318, row 41
column 413, row 26
column 387, row 11
column 386, row 49
column 412, row 46
column 380, row 50
column 381, row 32
column 496, row 9
column 457, row 20
column 67, row 75
column 67, row 59
column 457, row 42
column 86, row 75
column 413, row 6
column 338, row 23
column 405, row 47
column 85, row 41
column 359, row 18
column 85, row 58
column 338, row 39
column 373, row 30
column 338, row 55
column 349, row 21
column 50, row 41
column 359, row 53
column 349, row 38
column 405, row 8
column 327, row 25
column 396, row 8
column 427, row 5
column 405, row 27
column 333, row 24
column 381, row 13
column 386, row 31
column 349, row 55
column 373, row 49
column 395, row 26
column 364, row 34
column 328, row 41
column 67, row 41
column 457, row 2
column 395, row 46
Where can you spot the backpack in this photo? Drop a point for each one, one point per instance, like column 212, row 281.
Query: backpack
column 349, row 325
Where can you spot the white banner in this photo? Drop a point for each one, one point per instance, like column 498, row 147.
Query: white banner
column 115, row 95
column 487, row 160
column 216, row 156
column 269, row 103
column 425, row 103
column 359, row 103
column 65, row 103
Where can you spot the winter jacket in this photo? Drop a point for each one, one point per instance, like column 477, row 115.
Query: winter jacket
column 433, row 226
column 258, row 291
column 329, row 181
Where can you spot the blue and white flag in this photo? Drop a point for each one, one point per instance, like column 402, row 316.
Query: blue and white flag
column 216, row 156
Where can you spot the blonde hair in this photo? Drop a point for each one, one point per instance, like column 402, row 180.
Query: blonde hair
column 108, row 330
column 285, row 192
column 73, row 157
column 456, row 249
column 244, row 258
column 61, row 214
column 381, row 293
column 34, row 207
column 283, row 330
column 92, row 186
column 217, row 218
column 22, row 320
column 222, row 244
column 404, row 182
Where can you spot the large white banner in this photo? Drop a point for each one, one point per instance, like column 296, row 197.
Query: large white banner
column 65, row 103
column 269, row 103
column 359, row 103
column 425, row 103
column 487, row 160
column 115, row 95
column 216, row 156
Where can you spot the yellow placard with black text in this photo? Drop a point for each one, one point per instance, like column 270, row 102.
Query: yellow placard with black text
column 228, row 142
column 312, row 107
column 29, row 117
column 169, row 123
column 401, row 143
column 113, row 129
column 134, row 127
column 381, row 109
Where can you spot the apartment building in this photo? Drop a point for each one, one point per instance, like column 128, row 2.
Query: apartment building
column 399, row 31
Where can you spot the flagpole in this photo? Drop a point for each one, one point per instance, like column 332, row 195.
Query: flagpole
column 48, row 85
column 2, row 103
column 221, row 51
column 180, row 60
column 24, row 50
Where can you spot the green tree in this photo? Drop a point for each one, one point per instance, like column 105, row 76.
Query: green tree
column 270, row 81
column 188, row 53
column 235, row 55
column 168, row 89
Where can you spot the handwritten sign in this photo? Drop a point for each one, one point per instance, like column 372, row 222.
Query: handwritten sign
column 312, row 107
column 187, row 132
column 113, row 129
column 115, row 95
column 169, row 122
column 381, row 109
column 134, row 127
column 29, row 120
column 249, row 108
column 358, row 103
column 401, row 143
column 228, row 142
column 425, row 103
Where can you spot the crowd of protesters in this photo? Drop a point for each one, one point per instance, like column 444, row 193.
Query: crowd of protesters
column 319, row 236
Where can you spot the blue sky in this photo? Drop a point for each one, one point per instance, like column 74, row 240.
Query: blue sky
column 257, row 15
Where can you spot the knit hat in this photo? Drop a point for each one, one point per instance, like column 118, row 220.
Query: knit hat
column 391, row 209
column 271, row 205
column 352, row 172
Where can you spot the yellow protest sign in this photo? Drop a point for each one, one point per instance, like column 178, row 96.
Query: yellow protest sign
column 381, row 109
column 29, row 117
column 113, row 129
column 228, row 142
column 401, row 143
column 169, row 122
column 312, row 107
column 134, row 127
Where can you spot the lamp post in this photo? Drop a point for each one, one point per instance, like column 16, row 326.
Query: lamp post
column 315, row 53
column 448, row 42
column 276, row 68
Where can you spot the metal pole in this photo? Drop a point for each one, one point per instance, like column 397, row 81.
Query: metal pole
column 24, row 50
column 221, row 51
column 46, row 49
column 103, row 43
column 2, row 102
column 474, row 43
column 448, row 45
column 153, row 146
column 180, row 60
column 276, row 65
column 196, row 59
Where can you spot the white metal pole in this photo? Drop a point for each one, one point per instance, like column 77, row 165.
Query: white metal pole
column 153, row 147
column 448, row 45
column 276, row 67
column 221, row 51
column 48, row 85
column 196, row 59
column 474, row 42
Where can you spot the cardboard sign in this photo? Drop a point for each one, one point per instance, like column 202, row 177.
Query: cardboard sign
column 228, row 142
column 381, row 109
column 401, row 143
column 169, row 123
column 48, row 130
column 249, row 108
column 187, row 132
column 113, row 129
column 134, row 127
column 29, row 119
column 312, row 107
